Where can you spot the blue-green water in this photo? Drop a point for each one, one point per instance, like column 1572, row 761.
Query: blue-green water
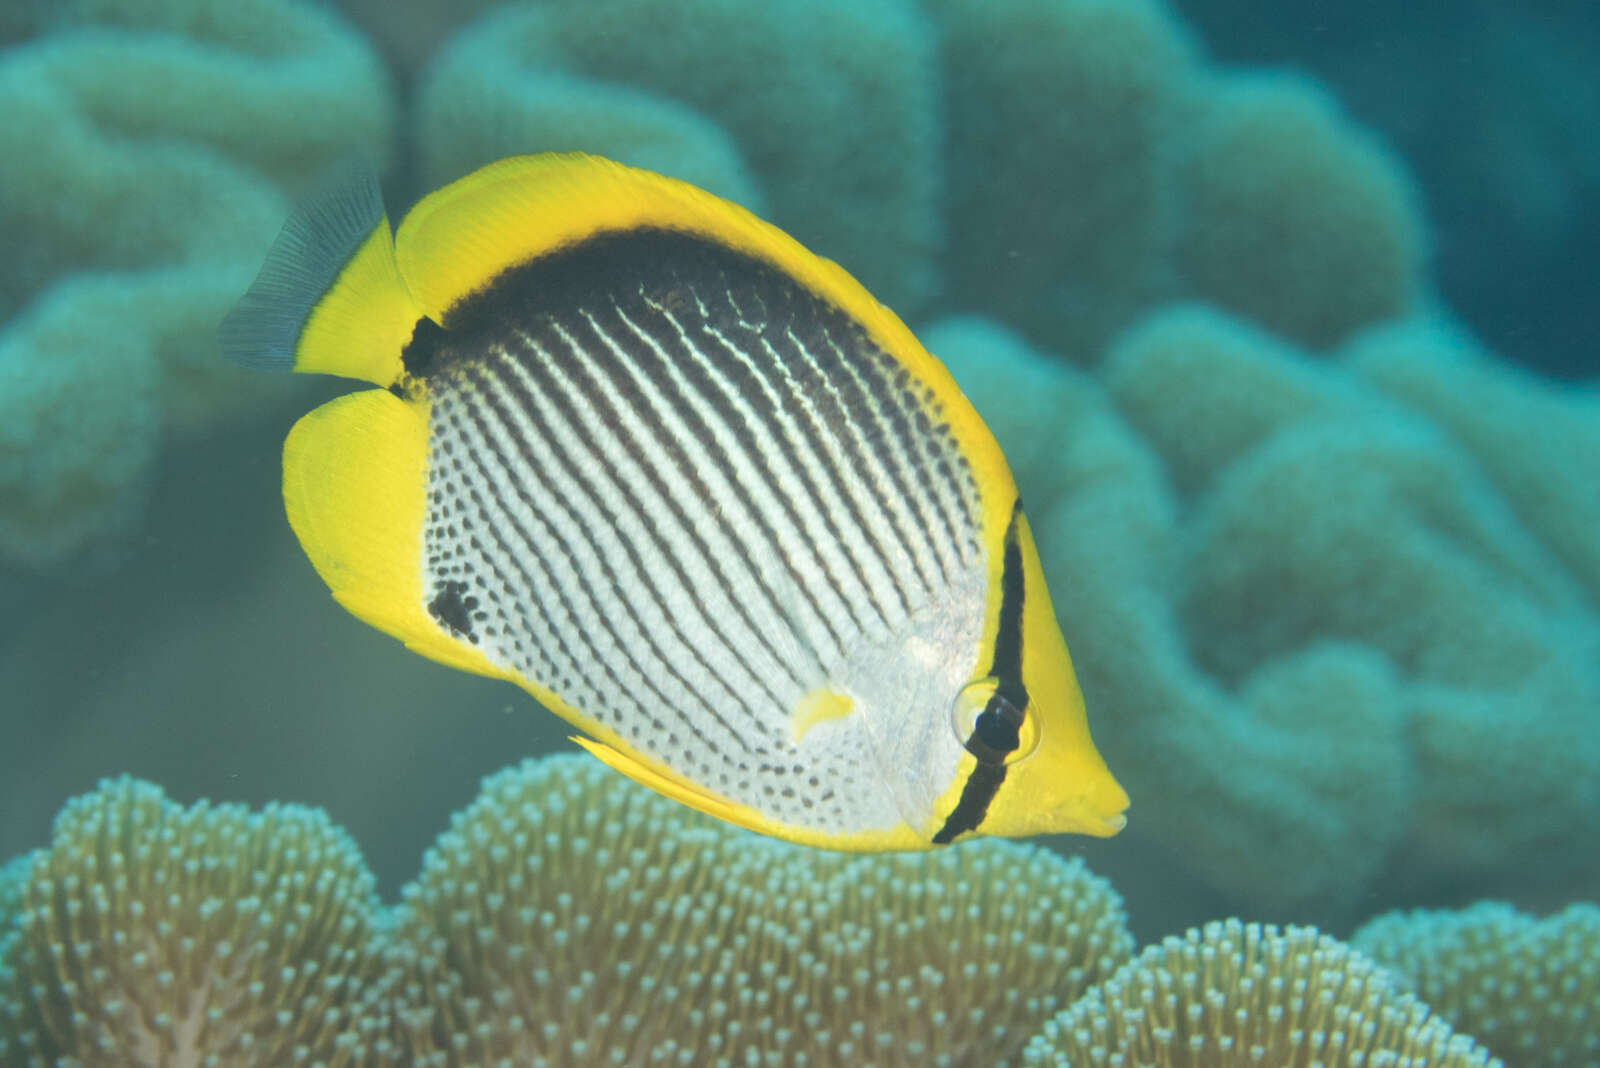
column 1282, row 313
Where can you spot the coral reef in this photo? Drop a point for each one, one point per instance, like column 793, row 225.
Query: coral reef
column 1333, row 591
column 1061, row 143
column 569, row 918
column 822, row 114
column 1236, row 994
column 1527, row 988
column 1302, row 612
column 1293, row 217
column 1090, row 165
column 1096, row 167
column 1490, row 105
column 148, row 933
column 146, row 156
column 76, row 380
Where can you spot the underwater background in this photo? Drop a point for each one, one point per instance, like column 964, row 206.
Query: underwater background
column 1283, row 314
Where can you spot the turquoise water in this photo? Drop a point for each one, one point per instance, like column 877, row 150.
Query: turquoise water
column 1283, row 320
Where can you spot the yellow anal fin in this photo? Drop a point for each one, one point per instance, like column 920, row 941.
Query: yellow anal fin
column 697, row 797
column 673, row 786
column 354, row 487
column 329, row 298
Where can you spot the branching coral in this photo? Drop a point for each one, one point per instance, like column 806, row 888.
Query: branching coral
column 150, row 934
column 568, row 918
column 1235, row 994
column 148, row 146
column 1529, row 989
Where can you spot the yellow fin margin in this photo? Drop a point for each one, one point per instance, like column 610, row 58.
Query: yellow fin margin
column 354, row 487
column 674, row 786
column 362, row 323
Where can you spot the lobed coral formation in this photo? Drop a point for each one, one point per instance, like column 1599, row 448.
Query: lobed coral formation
column 1097, row 167
column 1292, row 217
column 1063, row 166
column 1336, row 617
column 146, row 155
column 1236, row 994
column 1232, row 995
column 1489, row 104
column 1528, row 988
column 567, row 918
column 147, row 933
column 1303, row 611
column 822, row 114
column 1061, row 141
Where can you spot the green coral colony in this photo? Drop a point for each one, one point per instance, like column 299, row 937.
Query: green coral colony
column 567, row 920
column 1327, row 566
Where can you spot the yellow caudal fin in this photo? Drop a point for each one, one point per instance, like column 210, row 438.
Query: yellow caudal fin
column 328, row 298
column 354, row 486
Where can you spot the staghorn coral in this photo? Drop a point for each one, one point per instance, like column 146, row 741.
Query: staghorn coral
column 822, row 113
column 569, row 918
column 1325, row 650
column 1528, row 988
column 147, row 145
column 147, row 933
column 1238, row 994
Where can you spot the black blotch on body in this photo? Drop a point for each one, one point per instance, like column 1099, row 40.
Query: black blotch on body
column 453, row 607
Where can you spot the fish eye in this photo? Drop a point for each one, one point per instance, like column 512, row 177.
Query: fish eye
column 991, row 726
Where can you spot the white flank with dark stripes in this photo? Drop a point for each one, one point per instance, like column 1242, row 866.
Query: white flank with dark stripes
column 683, row 514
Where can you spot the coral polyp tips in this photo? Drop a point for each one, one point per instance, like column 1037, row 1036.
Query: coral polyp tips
column 692, row 488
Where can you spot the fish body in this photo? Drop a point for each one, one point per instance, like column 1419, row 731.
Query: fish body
column 692, row 488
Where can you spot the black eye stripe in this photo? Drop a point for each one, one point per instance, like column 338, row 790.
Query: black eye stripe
column 997, row 730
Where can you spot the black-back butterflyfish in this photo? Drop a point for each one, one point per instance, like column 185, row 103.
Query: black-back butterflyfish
column 691, row 487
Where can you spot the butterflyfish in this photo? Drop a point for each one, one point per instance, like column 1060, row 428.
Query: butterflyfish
column 692, row 488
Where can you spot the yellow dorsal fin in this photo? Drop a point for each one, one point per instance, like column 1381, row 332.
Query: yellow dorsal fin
column 460, row 237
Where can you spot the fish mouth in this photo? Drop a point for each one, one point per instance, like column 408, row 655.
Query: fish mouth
column 1107, row 825
column 1104, row 813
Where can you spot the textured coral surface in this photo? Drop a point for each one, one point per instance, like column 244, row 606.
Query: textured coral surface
column 1326, row 560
